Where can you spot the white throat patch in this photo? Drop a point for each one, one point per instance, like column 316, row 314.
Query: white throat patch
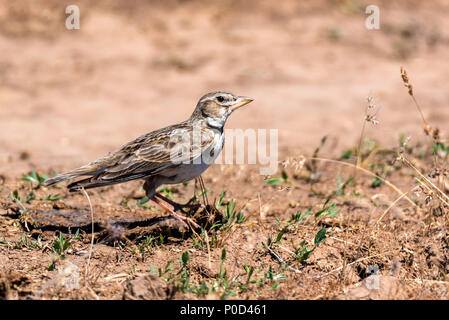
column 216, row 122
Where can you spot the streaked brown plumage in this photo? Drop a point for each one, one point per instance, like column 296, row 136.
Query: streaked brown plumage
column 170, row 155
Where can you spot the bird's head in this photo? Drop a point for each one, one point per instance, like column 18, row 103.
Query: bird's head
column 215, row 107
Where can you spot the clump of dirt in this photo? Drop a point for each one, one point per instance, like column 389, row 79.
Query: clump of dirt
column 13, row 285
column 147, row 287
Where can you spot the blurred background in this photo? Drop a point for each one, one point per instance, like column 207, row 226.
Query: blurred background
column 70, row 96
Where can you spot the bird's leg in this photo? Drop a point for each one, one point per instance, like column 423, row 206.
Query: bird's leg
column 203, row 191
column 177, row 206
column 192, row 205
column 150, row 187
column 174, row 214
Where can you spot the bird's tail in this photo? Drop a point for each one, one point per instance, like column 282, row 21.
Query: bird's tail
column 83, row 171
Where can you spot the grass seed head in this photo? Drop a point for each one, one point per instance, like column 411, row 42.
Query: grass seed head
column 406, row 81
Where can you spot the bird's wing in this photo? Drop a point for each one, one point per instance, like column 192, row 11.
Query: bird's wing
column 152, row 154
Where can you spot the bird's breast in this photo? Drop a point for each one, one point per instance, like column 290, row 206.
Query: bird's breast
column 187, row 171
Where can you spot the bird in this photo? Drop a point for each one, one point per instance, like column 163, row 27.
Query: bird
column 171, row 155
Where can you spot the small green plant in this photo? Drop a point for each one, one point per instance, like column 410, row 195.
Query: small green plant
column 60, row 244
column 34, row 178
column 167, row 192
column 124, row 203
column 30, row 196
column 230, row 217
column 142, row 203
column 31, row 244
column 52, row 197
column 224, row 284
column 230, row 213
column 150, row 242
column 184, row 272
column 16, row 197
column 376, row 182
column 274, row 180
column 340, row 190
column 163, row 272
column 441, row 150
column 302, row 252
column 269, row 277
column 297, row 218
column 348, row 154
column 312, row 167
column 326, row 210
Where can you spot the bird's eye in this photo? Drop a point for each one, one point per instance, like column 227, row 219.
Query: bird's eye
column 220, row 98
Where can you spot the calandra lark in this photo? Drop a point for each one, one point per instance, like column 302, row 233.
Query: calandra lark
column 171, row 155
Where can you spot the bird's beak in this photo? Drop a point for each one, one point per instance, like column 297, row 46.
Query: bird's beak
column 240, row 102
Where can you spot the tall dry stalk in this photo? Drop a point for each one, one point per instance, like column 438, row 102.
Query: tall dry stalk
column 434, row 136
column 432, row 133
column 86, row 274
column 370, row 116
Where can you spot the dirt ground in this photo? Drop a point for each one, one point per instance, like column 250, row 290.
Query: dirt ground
column 68, row 97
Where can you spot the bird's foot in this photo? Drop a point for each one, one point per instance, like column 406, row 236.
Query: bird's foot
column 181, row 207
column 183, row 219
column 190, row 206
column 180, row 217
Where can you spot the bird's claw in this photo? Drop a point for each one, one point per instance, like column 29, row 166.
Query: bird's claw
column 184, row 219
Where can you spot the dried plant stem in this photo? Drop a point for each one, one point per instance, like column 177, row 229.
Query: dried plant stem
column 274, row 254
column 93, row 236
column 427, row 128
column 426, row 179
column 280, row 260
column 24, row 210
column 208, row 249
column 419, row 110
column 370, row 173
column 203, row 191
column 206, row 203
column 393, row 204
column 136, row 248
column 344, row 241
column 354, row 262
column 359, row 147
column 429, row 188
column 423, row 281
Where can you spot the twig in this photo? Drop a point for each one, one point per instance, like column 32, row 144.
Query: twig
column 208, row 249
column 359, row 155
column 286, row 249
column 426, row 179
column 274, row 254
column 422, row 281
column 281, row 261
column 393, row 204
column 93, row 236
column 344, row 241
column 203, row 191
column 354, row 262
